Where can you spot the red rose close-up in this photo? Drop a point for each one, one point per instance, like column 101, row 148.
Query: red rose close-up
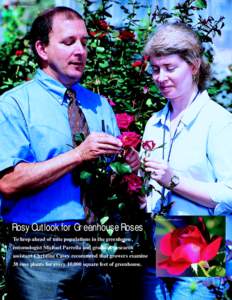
column 19, row 52
column 185, row 246
column 134, row 182
column 148, row 145
column 130, row 139
column 126, row 35
column 137, row 63
column 124, row 120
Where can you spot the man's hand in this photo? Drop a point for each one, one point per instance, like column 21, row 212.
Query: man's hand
column 97, row 144
column 132, row 159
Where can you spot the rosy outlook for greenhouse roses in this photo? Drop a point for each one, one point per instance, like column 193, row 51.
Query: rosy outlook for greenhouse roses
column 186, row 246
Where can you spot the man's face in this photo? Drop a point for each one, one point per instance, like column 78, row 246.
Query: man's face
column 65, row 55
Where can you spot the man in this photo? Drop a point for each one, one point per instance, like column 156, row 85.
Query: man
column 36, row 162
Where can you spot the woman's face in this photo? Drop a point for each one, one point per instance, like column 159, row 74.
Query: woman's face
column 172, row 75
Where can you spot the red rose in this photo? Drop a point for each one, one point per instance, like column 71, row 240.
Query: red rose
column 97, row 34
column 124, row 120
column 137, row 63
column 19, row 52
column 126, row 35
column 146, row 58
column 185, row 246
column 102, row 24
column 130, row 139
column 134, row 182
column 140, row 63
column 148, row 145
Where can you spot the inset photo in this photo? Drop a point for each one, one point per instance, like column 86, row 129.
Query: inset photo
column 192, row 246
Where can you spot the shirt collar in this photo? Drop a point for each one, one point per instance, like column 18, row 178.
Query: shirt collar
column 194, row 109
column 54, row 87
column 189, row 115
column 160, row 116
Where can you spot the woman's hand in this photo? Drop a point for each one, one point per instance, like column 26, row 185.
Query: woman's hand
column 160, row 171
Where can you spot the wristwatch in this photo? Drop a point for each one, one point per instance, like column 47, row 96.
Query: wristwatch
column 175, row 180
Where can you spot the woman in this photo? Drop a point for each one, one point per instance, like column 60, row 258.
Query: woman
column 191, row 165
column 193, row 168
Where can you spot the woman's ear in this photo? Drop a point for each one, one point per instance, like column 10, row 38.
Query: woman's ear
column 41, row 50
column 196, row 66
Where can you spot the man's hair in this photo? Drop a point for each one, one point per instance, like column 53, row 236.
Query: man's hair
column 42, row 25
column 180, row 39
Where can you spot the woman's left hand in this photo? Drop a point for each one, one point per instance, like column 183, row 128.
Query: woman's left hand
column 160, row 171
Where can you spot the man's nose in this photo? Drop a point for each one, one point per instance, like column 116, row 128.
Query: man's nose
column 79, row 48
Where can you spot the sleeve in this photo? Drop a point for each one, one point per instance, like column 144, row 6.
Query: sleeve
column 14, row 137
column 220, row 156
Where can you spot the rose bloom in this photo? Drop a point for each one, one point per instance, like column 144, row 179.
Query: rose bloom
column 126, row 35
column 145, row 89
column 19, row 52
column 102, row 24
column 97, row 34
column 134, row 182
column 124, row 120
column 148, row 145
column 146, row 57
column 185, row 246
column 137, row 63
column 130, row 139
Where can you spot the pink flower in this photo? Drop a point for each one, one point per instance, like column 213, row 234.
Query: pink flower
column 148, row 145
column 134, row 182
column 184, row 246
column 124, row 120
column 145, row 89
column 111, row 102
column 130, row 139
column 126, row 35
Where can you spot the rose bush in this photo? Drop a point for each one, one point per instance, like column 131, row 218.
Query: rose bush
column 186, row 246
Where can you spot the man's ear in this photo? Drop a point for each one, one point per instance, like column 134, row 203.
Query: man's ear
column 196, row 66
column 41, row 50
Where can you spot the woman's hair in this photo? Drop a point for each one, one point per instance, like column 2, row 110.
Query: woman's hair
column 42, row 25
column 180, row 39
